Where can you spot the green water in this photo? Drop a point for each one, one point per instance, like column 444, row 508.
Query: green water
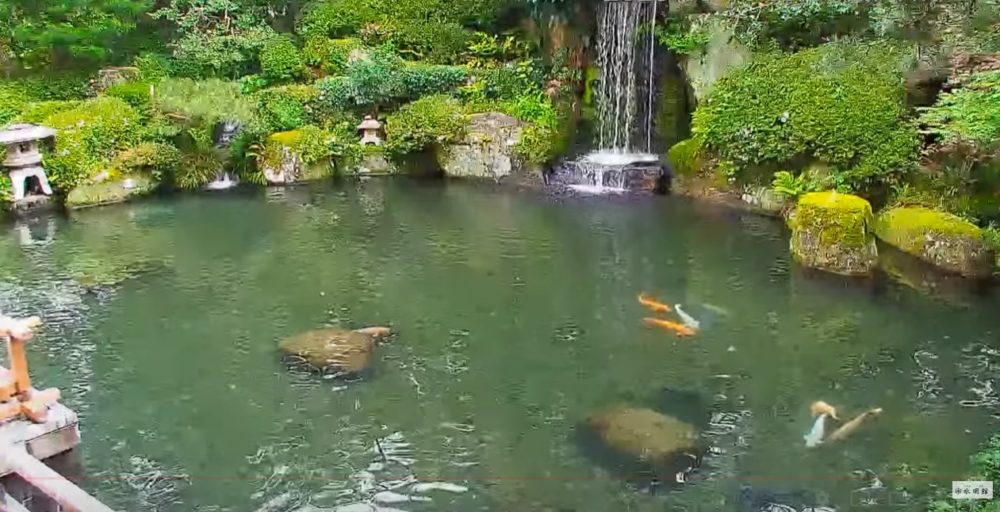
column 516, row 317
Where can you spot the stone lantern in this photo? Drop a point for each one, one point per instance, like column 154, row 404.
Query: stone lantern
column 369, row 129
column 24, row 161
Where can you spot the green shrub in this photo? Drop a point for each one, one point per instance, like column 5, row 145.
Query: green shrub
column 13, row 99
column 682, row 36
column 288, row 107
column 204, row 101
column 337, row 18
column 970, row 113
column 153, row 66
column 684, row 156
column 281, row 60
column 155, row 159
column 136, row 94
column 330, row 56
column 37, row 112
column 428, row 121
column 58, row 87
column 792, row 186
column 423, row 79
column 312, row 144
column 840, row 104
column 548, row 134
column 505, row 81
column 89, row 136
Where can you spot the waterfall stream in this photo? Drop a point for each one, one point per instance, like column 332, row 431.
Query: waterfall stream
column 625, row 56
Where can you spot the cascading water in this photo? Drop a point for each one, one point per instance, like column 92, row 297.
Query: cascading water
column 626, row 56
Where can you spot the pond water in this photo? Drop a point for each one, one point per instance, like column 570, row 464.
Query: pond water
column 516, row 317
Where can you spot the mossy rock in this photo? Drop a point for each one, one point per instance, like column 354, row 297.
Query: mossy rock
column 334, row 349
column 295, row 156
column 662, row 442
column 109, row 192
column 833, row 232
column 940, row 238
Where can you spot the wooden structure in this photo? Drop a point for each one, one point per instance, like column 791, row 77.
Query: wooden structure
column 35, row 426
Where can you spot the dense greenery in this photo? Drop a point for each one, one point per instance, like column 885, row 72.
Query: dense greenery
column 839, row 104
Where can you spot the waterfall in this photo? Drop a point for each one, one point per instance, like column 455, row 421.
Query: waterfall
column 626, row 60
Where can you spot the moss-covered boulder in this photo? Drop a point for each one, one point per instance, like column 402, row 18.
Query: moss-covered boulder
column 335, row 350
column 296, row 155
column 833, row 232
column 940, row 238
column 110, row 192
column 666, row 444
column 487, row 150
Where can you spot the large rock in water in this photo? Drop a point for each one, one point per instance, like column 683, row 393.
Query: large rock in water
column 833, row 232
column 487, row 151
column 666, row 444
column 939, row 238
column 109, row 192
column 334, row 349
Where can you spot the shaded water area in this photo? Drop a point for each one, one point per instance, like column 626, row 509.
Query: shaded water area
column 516, row 317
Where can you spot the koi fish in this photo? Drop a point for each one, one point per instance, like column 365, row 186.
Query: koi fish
column 21, row 328
column 848, row 428
column 816, row 433
column 678, row 329
column 653, row 304
column 686, row 318
column 821, row 407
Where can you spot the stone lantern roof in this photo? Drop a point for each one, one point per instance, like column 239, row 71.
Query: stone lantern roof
column 17, row 133
column 369, row 124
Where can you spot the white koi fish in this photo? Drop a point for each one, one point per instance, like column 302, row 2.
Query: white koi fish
column 686, row 318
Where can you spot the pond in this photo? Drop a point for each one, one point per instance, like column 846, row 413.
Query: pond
column 516, row 317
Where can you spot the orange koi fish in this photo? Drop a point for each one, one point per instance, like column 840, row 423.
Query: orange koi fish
column 678, row 329
column 822, row 407
column 653, row 304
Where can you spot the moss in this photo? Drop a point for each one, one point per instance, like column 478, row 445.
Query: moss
column 672, row 123
column 843, row 219
column 831, row 231
column 941, row 238
column 108, row 192
column 684, row 156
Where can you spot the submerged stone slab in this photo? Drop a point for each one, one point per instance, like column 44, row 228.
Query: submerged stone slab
column 665, row 443
column 942, row 239
column 833, row 232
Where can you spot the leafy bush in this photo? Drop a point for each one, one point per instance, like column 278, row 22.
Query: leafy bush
column 13, row 99
column 206, row 101
column 288, row 107
column 37, row 112
column 548, row 133
column 281, row 60
column 155, row 159
column 970, row 113
column 330, row 56
column 89, row 136
column 428, row 121
column 423, row 79
column 986, row 466
column 153, row 66
column 682, row 36
column 337, row 18
column 384, row 79
column 136, row 94
column 791, row 185
column 684, row 156
column 840, row 104
column 505, row 81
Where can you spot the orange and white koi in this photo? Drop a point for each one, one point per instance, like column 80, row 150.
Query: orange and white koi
column 848, row 428
column 653, row 304
column 678, row 329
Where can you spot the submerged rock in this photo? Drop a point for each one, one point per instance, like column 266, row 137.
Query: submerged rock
column 939, row 238
column 109, row 192
column 335, row 349
column 666, row 444
column 487, row 150
column 833, row 232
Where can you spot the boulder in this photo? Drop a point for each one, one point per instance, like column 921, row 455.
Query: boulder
column 833, row 232
column 765, row 201
column 487, row 150
column 942, row 239
column 109, row 192
column 335, row 349
column 664, row 443
column 722, row 53
column 375, row 163
column 282, row 161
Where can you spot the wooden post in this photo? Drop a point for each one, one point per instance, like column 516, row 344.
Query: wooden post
column 50, row 482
